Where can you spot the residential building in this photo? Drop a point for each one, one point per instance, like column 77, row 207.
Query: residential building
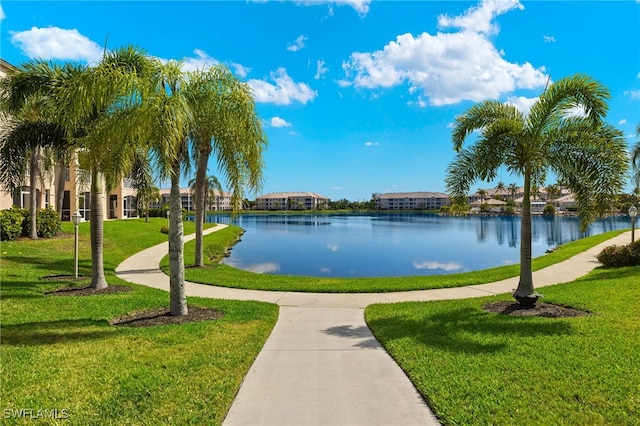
column 216, row 201
column 412, row 201
column 292, row 201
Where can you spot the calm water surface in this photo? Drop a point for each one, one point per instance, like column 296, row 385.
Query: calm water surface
column 392, row 245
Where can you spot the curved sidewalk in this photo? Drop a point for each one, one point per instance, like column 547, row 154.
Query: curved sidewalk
column 321, row 365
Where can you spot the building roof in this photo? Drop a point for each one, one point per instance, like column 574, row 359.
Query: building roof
column 280, row 195
column 394, row 195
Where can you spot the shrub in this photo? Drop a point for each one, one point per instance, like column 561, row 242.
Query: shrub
column 549, row 210
column 628, row 255
column 164, row 229
column 48, row 222
column 12, row 223
column 509, row 210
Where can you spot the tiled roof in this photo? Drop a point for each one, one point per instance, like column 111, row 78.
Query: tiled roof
column 279, row 195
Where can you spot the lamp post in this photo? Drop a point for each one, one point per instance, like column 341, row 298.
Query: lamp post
column 75, row 217
column 168, row 215
column 633, row 211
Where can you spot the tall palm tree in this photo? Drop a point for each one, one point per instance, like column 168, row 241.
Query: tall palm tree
column 94, row 105
column 586, row 153
column 500, row 189
column 142, row 181
column 168, row 120
column 225, row 124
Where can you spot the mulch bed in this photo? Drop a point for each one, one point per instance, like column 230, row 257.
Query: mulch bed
column 151, row 318
column 547, row 310
column 87, row 291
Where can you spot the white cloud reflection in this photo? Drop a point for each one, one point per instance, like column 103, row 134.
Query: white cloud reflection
column 432, row 264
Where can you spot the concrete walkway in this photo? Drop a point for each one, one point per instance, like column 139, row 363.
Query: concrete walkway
column 321, row 365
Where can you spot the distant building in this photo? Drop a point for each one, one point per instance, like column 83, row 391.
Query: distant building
column 215, row 201
column 412, row 201
column 292, row 201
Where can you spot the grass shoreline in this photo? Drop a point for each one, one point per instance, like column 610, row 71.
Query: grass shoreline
column 226, row 276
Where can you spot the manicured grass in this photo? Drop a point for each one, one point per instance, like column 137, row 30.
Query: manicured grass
column 478, row 368
column 226, row 276
column 62, row 353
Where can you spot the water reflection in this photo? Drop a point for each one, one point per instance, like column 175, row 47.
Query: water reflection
column 393, row 244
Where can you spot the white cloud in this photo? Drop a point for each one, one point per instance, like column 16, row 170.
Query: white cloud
column 53, row 43
column 337, row 188
column 371, row 143
column 447, row 68
column 320, row 70
column 279, row 122
column 623, row 121
column 479, row 19
column 201, row 60
column 521, row 103
column 360, row 6
column 297, row 44
column 549, row 39
column 444, row 266
column 635, row 94
column 241, row 70
column 283, row 92
column 2, row 15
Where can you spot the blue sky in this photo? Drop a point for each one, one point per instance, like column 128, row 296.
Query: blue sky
column 357, row 96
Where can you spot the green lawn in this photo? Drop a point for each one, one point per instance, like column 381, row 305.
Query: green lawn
column 477, row 368
column 62, row 353
column 226, row 276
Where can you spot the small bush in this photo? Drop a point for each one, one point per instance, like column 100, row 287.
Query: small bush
column 618, row 256
column 164, row 229
column 48, row 222
column 509, row 210
column 12, row 223
column 549, row 210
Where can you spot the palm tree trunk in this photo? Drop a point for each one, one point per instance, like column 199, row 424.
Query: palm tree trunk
column 177, row 293
column 33, row 199
column 201, row 175
column 525, row 293
column 96, row 222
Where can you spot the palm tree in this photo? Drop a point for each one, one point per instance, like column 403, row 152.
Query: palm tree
column 500, row 189
column 95, row 105
column 586, row 153
column 168, row 120
column 26, row 133
column 142, row 181
column 225, row 124
column 211, row 185
column 513, row 190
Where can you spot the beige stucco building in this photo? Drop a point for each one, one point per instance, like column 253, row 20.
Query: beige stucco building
column 412, row 201
column 292, row 201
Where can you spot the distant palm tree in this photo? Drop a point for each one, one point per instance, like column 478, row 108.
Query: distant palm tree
column 211, row 185
column 586, row 153
column 513, row 190
column 500, row 189
column 482, row 194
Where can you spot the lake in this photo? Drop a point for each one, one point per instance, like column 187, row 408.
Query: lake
column 381, row 245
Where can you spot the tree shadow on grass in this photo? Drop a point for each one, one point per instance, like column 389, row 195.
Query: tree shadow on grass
column 467, row 330
column 51, row 332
